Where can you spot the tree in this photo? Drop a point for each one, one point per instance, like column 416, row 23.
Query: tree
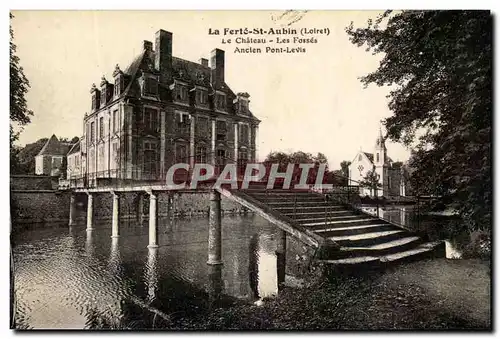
column 26, row 157
column 19, row 85
column 299, row 157
column 344, row 166
column 371, row 180
column 438, row 64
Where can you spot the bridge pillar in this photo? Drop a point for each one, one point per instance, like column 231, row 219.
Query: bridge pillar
column 153, row 219
column 72, row 210
column 90, row 211
column 281, row 258
column 214, row 230
column 116, row 215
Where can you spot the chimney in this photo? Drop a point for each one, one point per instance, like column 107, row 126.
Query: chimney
column 217, row 66
column 147, row 45
column 204, row 62
column 163, row 54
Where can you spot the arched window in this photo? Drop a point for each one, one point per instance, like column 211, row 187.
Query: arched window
column 360, row 157
column 378, row 157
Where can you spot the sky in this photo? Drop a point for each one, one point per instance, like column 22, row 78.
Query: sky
column 312, row 102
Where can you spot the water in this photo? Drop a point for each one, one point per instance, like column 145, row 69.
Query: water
column 71, row 278
column 433, row 226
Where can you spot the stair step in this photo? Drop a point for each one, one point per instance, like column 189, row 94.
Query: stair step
column 424, row 248
column 315, row 207
column 353, row 230
column 345, row 223
column 363, row 236
column 300, row 203
column 369, row 239
column 354, row 221
column 338, row 218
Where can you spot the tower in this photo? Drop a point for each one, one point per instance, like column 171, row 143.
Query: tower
column 380, row 153
column 380, row 162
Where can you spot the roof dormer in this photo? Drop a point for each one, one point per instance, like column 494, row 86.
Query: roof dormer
column 96, row 98
column 106, row 91
column 242, row 103
column 119, row 81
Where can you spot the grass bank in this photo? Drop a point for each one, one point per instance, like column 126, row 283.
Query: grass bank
column 437, row 294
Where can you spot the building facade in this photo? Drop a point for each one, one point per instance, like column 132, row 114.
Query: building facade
column 389, row 176
column 50, row 160
column 161, row 110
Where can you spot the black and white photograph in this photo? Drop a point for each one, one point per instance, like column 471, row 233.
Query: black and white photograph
column 250, row 170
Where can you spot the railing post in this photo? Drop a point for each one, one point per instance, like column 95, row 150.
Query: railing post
column 376, row 197
column 326, row 205
column 295, row 207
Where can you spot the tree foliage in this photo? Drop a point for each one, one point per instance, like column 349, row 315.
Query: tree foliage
column 19, row 112
column 371, row 181
column 344, row 166
column 438, row 64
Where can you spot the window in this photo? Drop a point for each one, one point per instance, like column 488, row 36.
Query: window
column 181, row 93
column 150, row 162
column 360, row 157
column 243, row 137
column 378, row 157
column 101, row 127
column 243, row 105
column 220, row 101
column 117, row 86
column 94, row 101
column 201, row 154
column 103, row 97
column 202, row 125
column 221, row 130
column 92, row 132
column 150, row 119
column 181, row 153
column 114, row 152
column 221, row 157
column 115, row 120
column 150, row 86
column 201, row 97
column 183, row 123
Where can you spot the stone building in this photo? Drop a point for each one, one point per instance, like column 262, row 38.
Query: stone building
column 161, row 110
column 390, row 177
column 50, row 160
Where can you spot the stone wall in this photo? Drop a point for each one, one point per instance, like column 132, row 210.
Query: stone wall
column 32, row 182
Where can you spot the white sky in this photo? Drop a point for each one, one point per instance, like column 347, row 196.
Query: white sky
column 312, row 102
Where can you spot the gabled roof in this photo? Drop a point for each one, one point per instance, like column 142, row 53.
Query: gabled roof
column 53, row 147
column 369, row 156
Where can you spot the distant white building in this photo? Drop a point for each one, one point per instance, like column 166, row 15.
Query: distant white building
column 49, row 161
column 390, row 178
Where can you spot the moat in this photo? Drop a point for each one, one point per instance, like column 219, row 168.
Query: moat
column 70, row 278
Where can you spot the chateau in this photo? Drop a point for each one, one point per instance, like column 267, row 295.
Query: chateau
column 392, row 179
column 161, row 110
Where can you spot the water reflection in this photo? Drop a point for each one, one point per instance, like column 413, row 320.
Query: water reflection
column 216, row 285
column 89, row 244
column 151, row 274
column 90, row 274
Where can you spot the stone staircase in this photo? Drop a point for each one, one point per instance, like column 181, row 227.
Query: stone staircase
column 362, row 239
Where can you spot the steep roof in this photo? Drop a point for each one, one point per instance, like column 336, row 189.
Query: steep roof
column 369, row 156
column 53, row 147
column 183, row 70
column 75, row 148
